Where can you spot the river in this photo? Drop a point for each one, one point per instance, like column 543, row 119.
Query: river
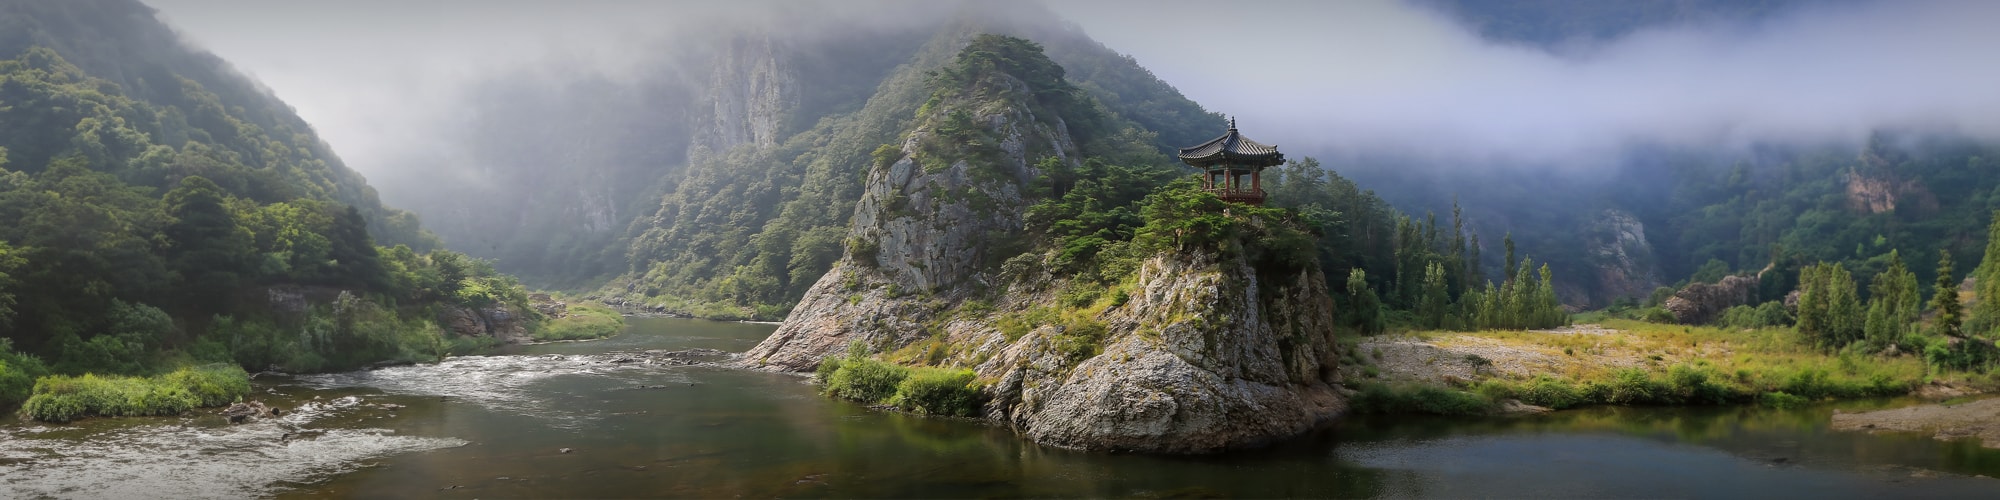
column 570, row 420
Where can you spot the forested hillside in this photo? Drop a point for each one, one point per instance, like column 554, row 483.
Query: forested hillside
column 721, row 180
column 164, row 211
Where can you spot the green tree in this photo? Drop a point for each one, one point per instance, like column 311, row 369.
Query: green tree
column 1894, row 303
column 207, row 250
column 1364, row 309
column 10, row 262
column 1985, row 315
column 1944, row 299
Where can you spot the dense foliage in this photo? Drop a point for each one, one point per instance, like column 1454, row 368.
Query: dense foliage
column 164, row 211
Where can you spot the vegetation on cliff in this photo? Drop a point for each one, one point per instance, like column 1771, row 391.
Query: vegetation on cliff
column 925, row 390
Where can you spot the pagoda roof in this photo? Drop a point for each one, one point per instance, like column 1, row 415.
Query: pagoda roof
column 1232, row 147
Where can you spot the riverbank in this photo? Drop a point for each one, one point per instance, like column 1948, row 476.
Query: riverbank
column 1946, row 421
column 1628, row 362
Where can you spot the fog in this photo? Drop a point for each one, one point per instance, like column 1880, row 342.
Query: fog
column 376, row 78
column 1353, row 76
column 1382, row 77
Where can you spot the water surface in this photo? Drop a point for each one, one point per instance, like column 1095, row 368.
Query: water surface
column 496, row 427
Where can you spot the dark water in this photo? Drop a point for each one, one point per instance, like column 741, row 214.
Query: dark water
column 494, row 427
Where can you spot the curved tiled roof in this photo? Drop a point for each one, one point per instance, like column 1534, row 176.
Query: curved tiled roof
column 1232, row 147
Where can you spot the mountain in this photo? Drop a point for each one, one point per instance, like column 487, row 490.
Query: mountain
column 164, row 210
column 722, row 180
column 962, row 254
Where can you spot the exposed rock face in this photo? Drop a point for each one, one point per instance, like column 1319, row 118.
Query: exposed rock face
column 1207, row 354
column 1622, row 257
column 1876, row 194
column 918, row 232
column 497, row 321
column 548, row 306
column 1701, row 303
column 1200, row 361
column 751, row 88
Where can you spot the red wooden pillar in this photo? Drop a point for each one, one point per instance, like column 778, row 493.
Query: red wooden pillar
column 1256, row 185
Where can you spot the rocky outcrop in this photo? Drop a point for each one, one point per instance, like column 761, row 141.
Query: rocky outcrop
column 497, row 321
column 245, row 412
column 1205, row 352
column 1702, row 303
column 1205, row 357
column 918, row 232
column 751, row 90
column 1621, row 256
column 548, row 306
column 1874, row 194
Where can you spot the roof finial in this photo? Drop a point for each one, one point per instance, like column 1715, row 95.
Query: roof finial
column 1232, row 122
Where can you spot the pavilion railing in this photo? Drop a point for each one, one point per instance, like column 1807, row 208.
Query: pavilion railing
column 1251, row 196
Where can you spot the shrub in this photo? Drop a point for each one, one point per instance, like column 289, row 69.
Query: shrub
column 938, row 391
column 865, row 380
column 1081, row 339
column 64, row 398
column 1551, row 393
column 18, row 372
column 1655, row 315
column 583, row 322
column 1633, row 386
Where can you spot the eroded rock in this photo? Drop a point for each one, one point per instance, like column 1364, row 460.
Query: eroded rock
column 1702, row 303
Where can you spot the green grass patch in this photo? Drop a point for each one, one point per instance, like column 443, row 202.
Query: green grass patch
column 67, row 398
column 925, row 390
column 584, row 321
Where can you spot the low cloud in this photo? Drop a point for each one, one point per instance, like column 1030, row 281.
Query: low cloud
column 1373, row 77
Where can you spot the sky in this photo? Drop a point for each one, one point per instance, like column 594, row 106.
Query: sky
column 1357, row 76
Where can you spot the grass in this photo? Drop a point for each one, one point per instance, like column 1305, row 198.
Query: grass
column 584, row 321
column 924, row 390
column 64, row 398
column 1656, row 364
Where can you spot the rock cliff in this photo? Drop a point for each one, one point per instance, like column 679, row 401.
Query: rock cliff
column 1206, row 357
column 1622, row 257
column 1202, row 351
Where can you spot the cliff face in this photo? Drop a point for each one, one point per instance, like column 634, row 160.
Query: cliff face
column 919, row 231
column 1622, row 257
column 1202, row 353
column 751, row 90
column 1205, row 358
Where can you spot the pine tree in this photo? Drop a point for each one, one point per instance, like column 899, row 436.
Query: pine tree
column 1474, row 276
column 1944, row 298
column 1985, row 314
column 1551, row 311
column 1812, row 303
column 1844, row 315
column 1436, row 300
column 1455, row 262
column 1512, row 265
column 1892, row 295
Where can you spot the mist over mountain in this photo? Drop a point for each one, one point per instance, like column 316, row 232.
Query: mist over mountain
column 545, row 137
